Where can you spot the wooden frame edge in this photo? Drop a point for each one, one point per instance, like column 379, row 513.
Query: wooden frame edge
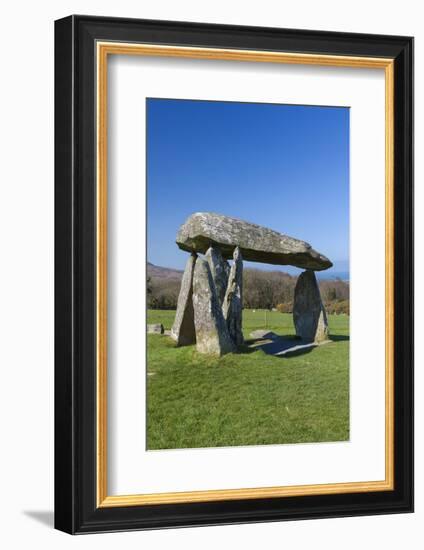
column 103, row 49
column 101, row 269
column 244, row 494
column 389, row 268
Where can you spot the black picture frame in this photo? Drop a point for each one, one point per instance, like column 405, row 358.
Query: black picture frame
column 76, row 510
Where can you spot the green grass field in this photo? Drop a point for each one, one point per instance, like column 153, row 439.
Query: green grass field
column 247, row 398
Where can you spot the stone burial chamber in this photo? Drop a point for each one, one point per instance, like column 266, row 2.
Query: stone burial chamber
column 210, row 303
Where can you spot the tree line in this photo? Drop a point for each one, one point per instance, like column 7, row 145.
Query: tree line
column 261, row 290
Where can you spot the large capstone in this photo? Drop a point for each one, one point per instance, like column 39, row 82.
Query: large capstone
column 211, row 329
column 257, row 244
column 232, row 306
column 220, row 270
column 183, row 330
column 310, row 318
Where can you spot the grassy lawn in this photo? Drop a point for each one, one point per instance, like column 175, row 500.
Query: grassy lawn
column 247, row 398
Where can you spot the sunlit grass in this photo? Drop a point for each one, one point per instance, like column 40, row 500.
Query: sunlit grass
column 247, row 398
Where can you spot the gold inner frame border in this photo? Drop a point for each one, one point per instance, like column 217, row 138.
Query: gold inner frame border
column 103, row 50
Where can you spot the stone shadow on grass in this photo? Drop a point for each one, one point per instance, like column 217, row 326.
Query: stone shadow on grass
column 338, row 338
column 246, row 347
column 281, row 346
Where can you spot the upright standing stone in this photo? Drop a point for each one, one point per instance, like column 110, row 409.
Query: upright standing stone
column 232, row 306
column 310, row 318
column 183, row 331
column 220, row 269
column 211, row 330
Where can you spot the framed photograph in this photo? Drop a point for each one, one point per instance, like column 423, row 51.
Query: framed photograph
column 234, row 274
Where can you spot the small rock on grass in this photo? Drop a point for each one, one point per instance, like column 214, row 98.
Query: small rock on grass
column 155, row 329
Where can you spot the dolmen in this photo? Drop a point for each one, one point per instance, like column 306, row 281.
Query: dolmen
column 209, row 309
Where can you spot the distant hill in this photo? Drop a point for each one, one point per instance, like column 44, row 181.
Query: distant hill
column 261, row 289
column 333, row 275
column 158, row 272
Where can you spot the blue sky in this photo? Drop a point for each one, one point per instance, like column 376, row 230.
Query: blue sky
column 282, row 166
